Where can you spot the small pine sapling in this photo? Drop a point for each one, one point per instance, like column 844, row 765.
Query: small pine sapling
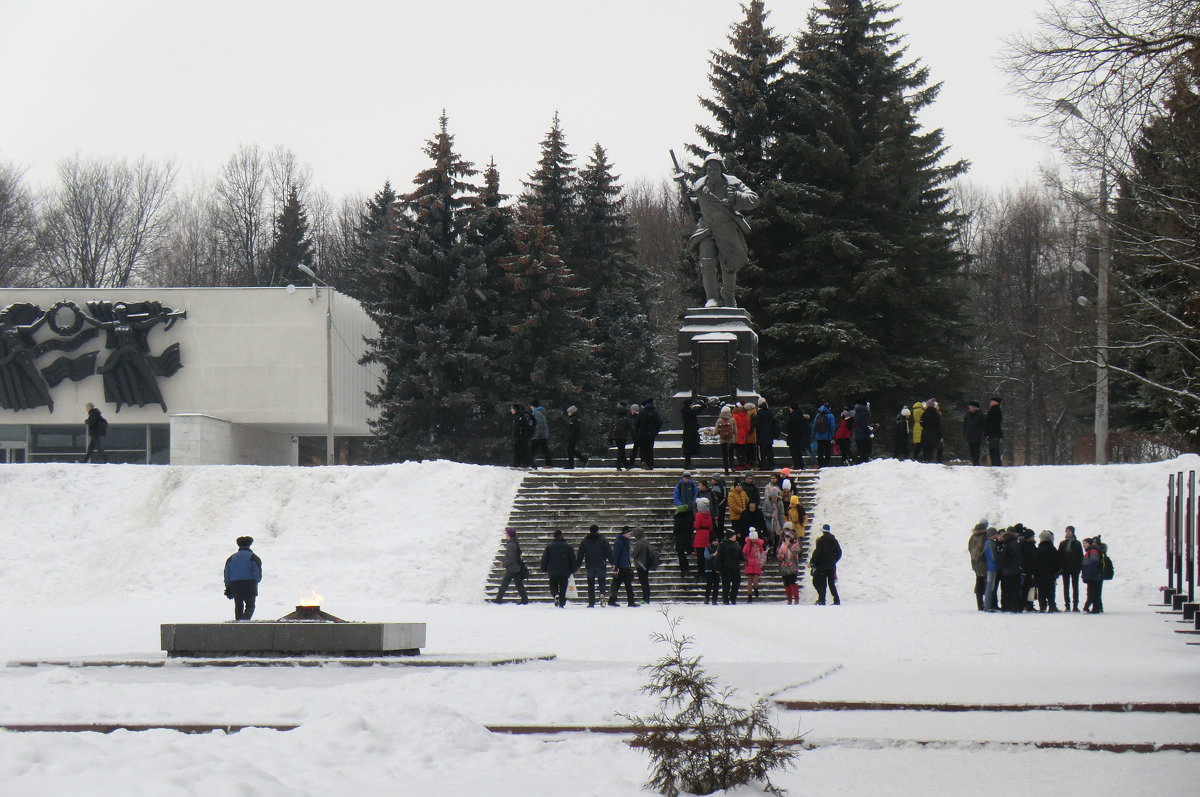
column 698, row 741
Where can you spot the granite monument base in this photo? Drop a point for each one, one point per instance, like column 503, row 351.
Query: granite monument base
column 274, row 638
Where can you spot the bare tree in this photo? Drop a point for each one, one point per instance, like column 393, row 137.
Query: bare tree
column 242, row 213
column 190, row 254
column 18, row 228
column 661, row 227
column 102, row 220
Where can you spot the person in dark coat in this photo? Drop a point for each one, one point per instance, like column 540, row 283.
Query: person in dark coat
column 644, row 556
column 973, row 423
column 1008, row 554
column 95, row 424
column 796, row 431
column 620, row 432
column 729, row 559
column 993, row 429
column 541, row 434
column 691, row 430
column 1092, row 572
column 826, row 554
column 931, row 431
column 1070, row 553
column 902, row 433
column 718, row 506
column 243, row 572
column 764, row 421
column 1048, row 567
column 648, row 427
column 823, row 426
column 573, row 451
column 752, row 517
column 595, row 555
column 712, row 572
column 1029, row 558
column 522, row 433
column 558, row 562
column 635, row 423
column 976, row 548
column 514, row 568
column 622, row 566
column 861, row 432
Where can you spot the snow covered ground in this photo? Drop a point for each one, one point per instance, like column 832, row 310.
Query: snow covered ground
column 95, row 557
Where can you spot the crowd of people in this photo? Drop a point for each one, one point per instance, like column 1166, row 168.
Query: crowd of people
column 1015, row 573
column 723, row 539
column 746, row 431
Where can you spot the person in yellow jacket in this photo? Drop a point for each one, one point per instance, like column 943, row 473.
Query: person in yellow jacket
column 918, row 409
column 797, row 516
column 737, row 501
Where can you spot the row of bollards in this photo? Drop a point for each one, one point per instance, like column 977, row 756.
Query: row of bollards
column 1182, row 547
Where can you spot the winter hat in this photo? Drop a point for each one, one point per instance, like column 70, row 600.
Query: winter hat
column 245, row 542
column 786, row 472
column 572, row 410
column 753, row 533
column 973, row 403
column 510, row 531
column 906, row 412
column 558, row 534
column 794, row 500
column 626, row 530
column 1028, row 532
column 635, row 407
column 826, row 528
column 701, row 504
column 788, row 532
column 981, row 525
column 726, row 411
column 787, row 484
column 1046, row 536
column 788, row 526
column 931, row 403
column 685, row 475
column 593, row 529
column 714, row 156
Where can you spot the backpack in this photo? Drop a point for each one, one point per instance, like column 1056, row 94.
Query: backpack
column 653, row 560
column 725, row 430
column 102, row 427
column 1106, row 567
column 821, row 424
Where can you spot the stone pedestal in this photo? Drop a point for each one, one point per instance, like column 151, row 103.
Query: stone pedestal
column 718, row 357
column 297, row 638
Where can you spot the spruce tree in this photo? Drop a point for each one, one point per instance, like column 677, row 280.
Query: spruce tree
column 861, row 293
column 369, row 255
column 292, row 244
column 550, row 189
column 546, row 338
column 437, row 396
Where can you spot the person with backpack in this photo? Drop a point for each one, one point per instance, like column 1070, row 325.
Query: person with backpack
column 727, row 435
column 1070, row 554
column 755, row 554
column 243, row 572
column 595, row 555
column 823, row 563
column 620, row 431
column 822, row 432
column 97, row 428
column 1093, row 576
column 622, row 566
column 645, row 559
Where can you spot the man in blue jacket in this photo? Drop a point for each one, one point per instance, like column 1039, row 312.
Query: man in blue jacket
column 243, row 571
column 823, row 427
column 623, row 565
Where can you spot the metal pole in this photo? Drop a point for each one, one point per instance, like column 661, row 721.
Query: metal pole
column 1168, row 538
column 329, row 453
column 1105, row 267
column 1179, row 533
column 1189, row 533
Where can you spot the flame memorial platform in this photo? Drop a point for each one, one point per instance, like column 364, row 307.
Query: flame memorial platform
column 291, row 638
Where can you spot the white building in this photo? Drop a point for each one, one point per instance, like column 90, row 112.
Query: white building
column 260, row 369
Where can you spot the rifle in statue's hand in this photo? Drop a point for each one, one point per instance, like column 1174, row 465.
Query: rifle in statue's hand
column 685, row 189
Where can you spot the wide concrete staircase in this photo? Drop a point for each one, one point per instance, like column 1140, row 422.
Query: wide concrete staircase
column 572, row 500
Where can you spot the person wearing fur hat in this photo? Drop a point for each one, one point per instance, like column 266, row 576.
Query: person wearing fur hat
column 1029, row 567
column 788, row 556
column 620, row 431
column 826, row 554
column 690, row 413
column 1049, row 564
column 1093, row 576
column 931, row 431
column 573, row 451
column 755, row 553
column 973, row 423
column 243, row 572
column 702, row 527
column 993, row 430
column 727, row 436
column 976, row 544
column 903, row 429
column 558, row 562
column 522, row 432
column 797, row 432
column 514, row 568
column 1070, row 554
column 648, row 427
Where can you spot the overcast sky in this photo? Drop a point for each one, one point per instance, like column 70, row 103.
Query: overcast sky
column 354, row 87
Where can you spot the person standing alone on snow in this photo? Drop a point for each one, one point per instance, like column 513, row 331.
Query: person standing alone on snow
column 993, row 430
column 243, row 572
column 97, row 427
column 514, row 567
column 823, row 563
column 973, row 427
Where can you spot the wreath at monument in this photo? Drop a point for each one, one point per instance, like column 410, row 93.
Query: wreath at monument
column 76, row 319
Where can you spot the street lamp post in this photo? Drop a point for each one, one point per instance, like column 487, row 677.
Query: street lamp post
column 1104, row 269
column 329, row 447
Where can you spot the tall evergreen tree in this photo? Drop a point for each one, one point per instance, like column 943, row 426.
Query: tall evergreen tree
column 550, row 189
column 547, row 342
column 292, row 243
column 618, row 287
column 861, row 294
column 372, row 247
column 437, row 397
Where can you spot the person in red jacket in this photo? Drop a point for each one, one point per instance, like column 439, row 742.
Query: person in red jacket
column 742, row 421
column 702, row 523
column 844, row 434
column 755, row 552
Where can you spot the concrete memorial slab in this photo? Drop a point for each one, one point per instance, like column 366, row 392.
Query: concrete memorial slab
column 292, row 638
